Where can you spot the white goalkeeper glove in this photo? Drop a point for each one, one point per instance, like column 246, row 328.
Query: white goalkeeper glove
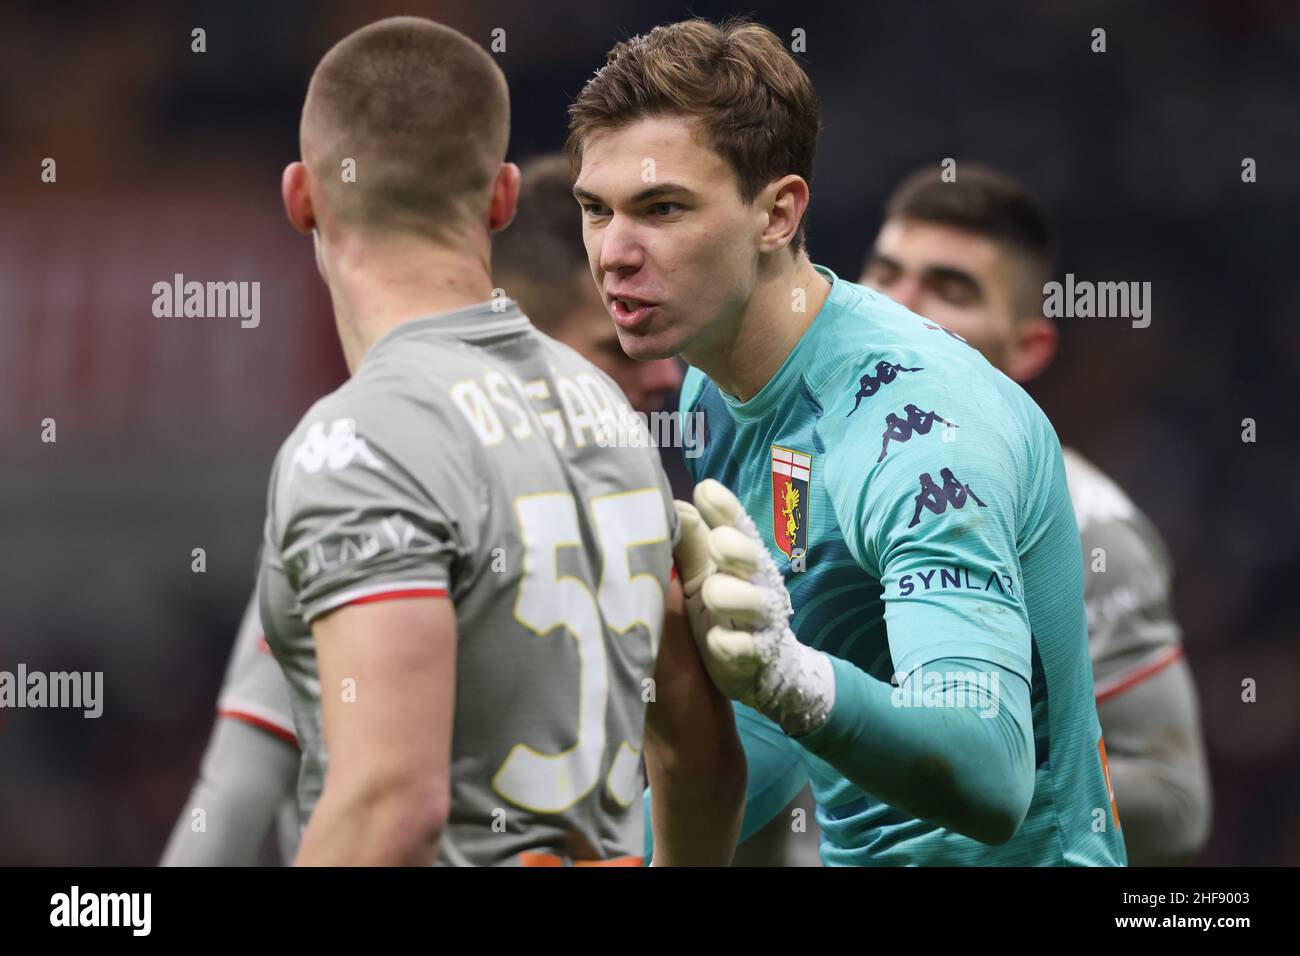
column 739, row 611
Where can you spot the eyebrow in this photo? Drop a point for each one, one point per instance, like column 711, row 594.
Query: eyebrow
column 948, row 273
column 651, row 192
column 879, row 258
column 929, row 273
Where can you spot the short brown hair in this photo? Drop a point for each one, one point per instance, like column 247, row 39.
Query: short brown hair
column 537, row 259
column 753, row 102
column 424, row 112
column 984, row 202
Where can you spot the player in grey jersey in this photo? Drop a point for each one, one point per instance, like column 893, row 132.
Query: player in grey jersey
column 248, row 777
column 972, row 255
column 466, row 572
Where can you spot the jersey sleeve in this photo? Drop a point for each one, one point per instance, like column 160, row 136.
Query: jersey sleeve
column 377, row 496
column 254, row 689
column 1131, row 626
column 926, row 482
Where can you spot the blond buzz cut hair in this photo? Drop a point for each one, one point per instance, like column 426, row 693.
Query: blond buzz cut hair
column 749, row 98
column 423, row 111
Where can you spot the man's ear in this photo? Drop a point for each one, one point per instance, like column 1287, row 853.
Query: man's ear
column 1033, row 348
column 295, row 189
column 784, row 201
column 505, row 196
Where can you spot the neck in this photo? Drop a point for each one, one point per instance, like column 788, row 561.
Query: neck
column 377, row 283
column 749, row 348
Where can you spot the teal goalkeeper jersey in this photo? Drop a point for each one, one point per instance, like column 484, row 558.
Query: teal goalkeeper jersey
column 915, row 500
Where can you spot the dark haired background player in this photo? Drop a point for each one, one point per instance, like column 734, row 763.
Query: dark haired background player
column 973, row 255
column 908, row 550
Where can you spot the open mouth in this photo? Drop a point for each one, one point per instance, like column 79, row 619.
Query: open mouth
column 629, row 313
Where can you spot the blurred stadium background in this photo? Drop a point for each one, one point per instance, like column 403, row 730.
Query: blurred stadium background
column 169, row 161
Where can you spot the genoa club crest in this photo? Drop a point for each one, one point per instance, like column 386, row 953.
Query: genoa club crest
column 790, row 476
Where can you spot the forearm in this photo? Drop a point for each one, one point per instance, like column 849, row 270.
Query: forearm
column 697, row 793
column 693, row 757
column 774, row 774
column 947, row 765
column 244, row 780
column 1158, row 768
column 371, row 825
column 387, row 791
column 1164, row 813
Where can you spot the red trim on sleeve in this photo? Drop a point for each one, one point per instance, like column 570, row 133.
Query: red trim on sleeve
column 394, row 595
column 673, row 575
column 261, row 723
column 1140, row 675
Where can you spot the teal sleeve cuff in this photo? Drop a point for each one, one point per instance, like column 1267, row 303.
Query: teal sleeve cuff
column 953, row 745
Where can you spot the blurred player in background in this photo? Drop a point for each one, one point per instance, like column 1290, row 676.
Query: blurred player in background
column 426, row 558
column 249, row 773
column 942, row 555
column 973, row 256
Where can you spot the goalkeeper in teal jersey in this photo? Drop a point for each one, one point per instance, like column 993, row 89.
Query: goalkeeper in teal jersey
column 896, row 596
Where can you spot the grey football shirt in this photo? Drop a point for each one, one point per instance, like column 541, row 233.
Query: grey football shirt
column 1127, row 580
column 253, row 689
column 473, row 456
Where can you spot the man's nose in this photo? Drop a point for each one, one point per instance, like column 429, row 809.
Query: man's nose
column 620, row 250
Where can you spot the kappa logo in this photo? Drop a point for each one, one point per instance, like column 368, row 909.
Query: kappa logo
column 936, row 499
column 336, row 450
column 869, row 384
column 901, row 429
